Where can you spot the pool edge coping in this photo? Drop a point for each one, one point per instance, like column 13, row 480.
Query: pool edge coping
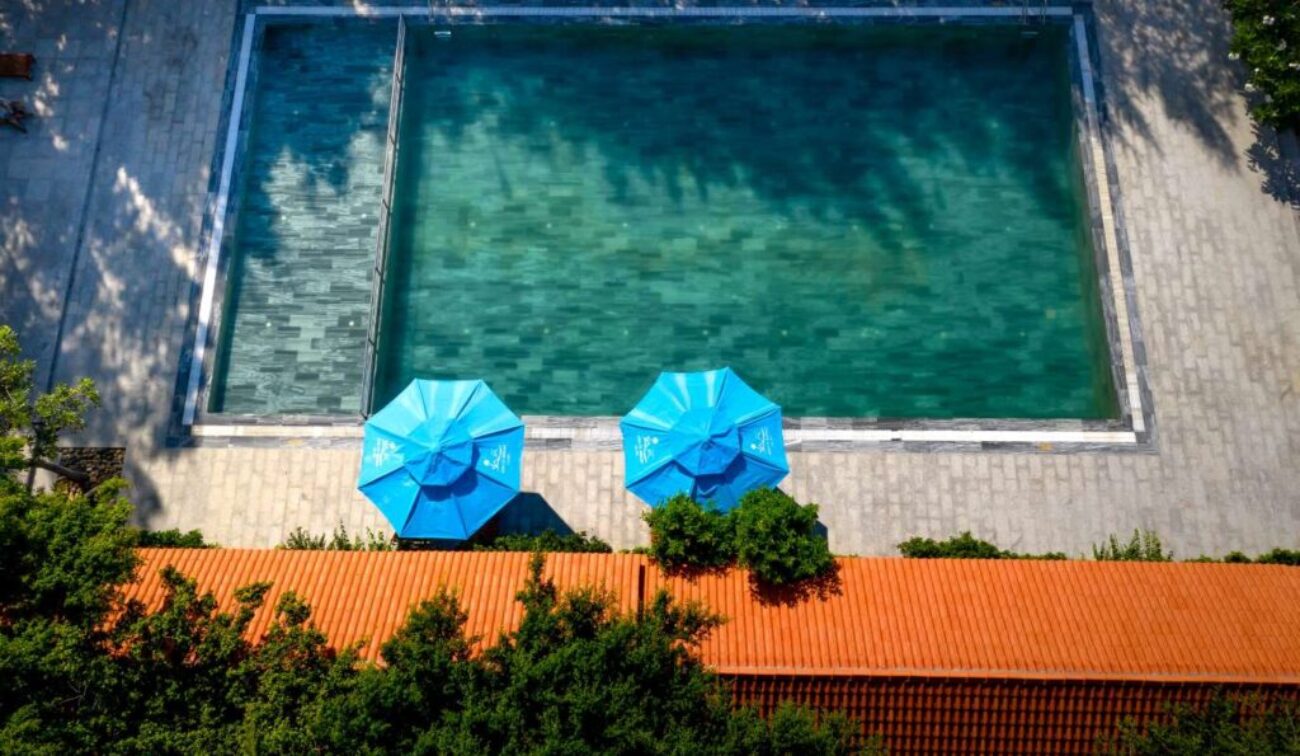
column 197, row 427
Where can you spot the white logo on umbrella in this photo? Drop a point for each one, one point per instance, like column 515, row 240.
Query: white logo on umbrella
column 382, row 450
column 762, row 442
column 498, row 459
column 645, row 448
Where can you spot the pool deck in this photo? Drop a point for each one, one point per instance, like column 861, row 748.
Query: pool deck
column 102, row 223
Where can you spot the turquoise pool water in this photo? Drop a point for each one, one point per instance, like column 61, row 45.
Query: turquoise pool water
column 862, row 221
column 296, row 308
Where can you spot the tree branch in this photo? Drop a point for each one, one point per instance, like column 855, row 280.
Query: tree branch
column 77, row 477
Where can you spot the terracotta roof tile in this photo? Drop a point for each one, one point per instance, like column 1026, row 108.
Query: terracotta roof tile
column 356, row 596
column 890, row 617
column 1014, row 618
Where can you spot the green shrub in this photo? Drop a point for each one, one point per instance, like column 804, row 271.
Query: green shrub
column 171, row 539
column 1280, row 556
column 546, row 541
column 964, row 546
column 1266, row 37
column 791, row 729
column 776, row 539
column 341, row 540
column 85, row 672
column 687, row 536
column 1223, row 726
column 300, row 540
column 1288, row 557
column 1144, row 546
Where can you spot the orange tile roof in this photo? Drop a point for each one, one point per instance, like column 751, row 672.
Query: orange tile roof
column 886, row 617
column 357, row 596
column 1014, row 618
column 968, row 715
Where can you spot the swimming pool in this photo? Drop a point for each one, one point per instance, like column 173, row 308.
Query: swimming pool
column 863, row 221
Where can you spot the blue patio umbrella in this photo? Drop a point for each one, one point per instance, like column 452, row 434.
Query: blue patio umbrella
column 441, row 458
column 705, row 434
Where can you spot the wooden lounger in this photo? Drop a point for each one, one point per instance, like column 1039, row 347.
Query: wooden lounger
column 17, row 65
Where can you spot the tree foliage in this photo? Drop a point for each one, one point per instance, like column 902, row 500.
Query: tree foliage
column 1144, row 546
column 777, row 539
column 575, row 677
column 86, row 672
column 768, row 532
column 172, row 539
column 1266, row 38
column 964, row 546
column 340, row 540
column 31, row 421
column 548, row 541
column 685, row 535
column 1225, row 725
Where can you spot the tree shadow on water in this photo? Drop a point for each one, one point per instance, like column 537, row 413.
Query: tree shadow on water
column 313, row 153
column 836, row 124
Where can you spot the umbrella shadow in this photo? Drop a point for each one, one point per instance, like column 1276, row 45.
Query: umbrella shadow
column 529, row 513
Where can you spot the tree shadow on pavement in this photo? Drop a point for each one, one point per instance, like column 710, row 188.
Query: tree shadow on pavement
column 1175, row 53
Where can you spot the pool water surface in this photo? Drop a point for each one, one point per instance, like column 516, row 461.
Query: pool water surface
column 862, row 221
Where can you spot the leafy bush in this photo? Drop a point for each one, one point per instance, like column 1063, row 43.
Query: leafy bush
column 685, row 535
column 171, row 539
column 1144, row 546
column 547, row 541
column 964, row 546
column 31, row 422
column 1280, row 556
column 1225, row 725
column 776, row 538
column 1266, row 37
column 768, row 532
column 300, row 540
column 575, row 677
column 794, row 730
column 83, row 674
column 1289, row 557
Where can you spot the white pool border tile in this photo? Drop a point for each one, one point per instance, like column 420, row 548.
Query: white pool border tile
column 367, row 11
column 1110, row 238
column 219, row 211
column 604, row 432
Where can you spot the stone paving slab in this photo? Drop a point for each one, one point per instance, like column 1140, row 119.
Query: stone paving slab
column 44, row 173
column 1210, row 216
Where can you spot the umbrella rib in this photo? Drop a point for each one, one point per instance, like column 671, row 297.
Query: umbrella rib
column 649, row 470
column 424, row 405
column 464, row 529
column 409, row 515
column 759, row 415
column 764, row 462
column 466, row 401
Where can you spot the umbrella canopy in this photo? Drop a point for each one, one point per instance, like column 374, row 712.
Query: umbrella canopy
column 441, row 458
column 705, row 434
